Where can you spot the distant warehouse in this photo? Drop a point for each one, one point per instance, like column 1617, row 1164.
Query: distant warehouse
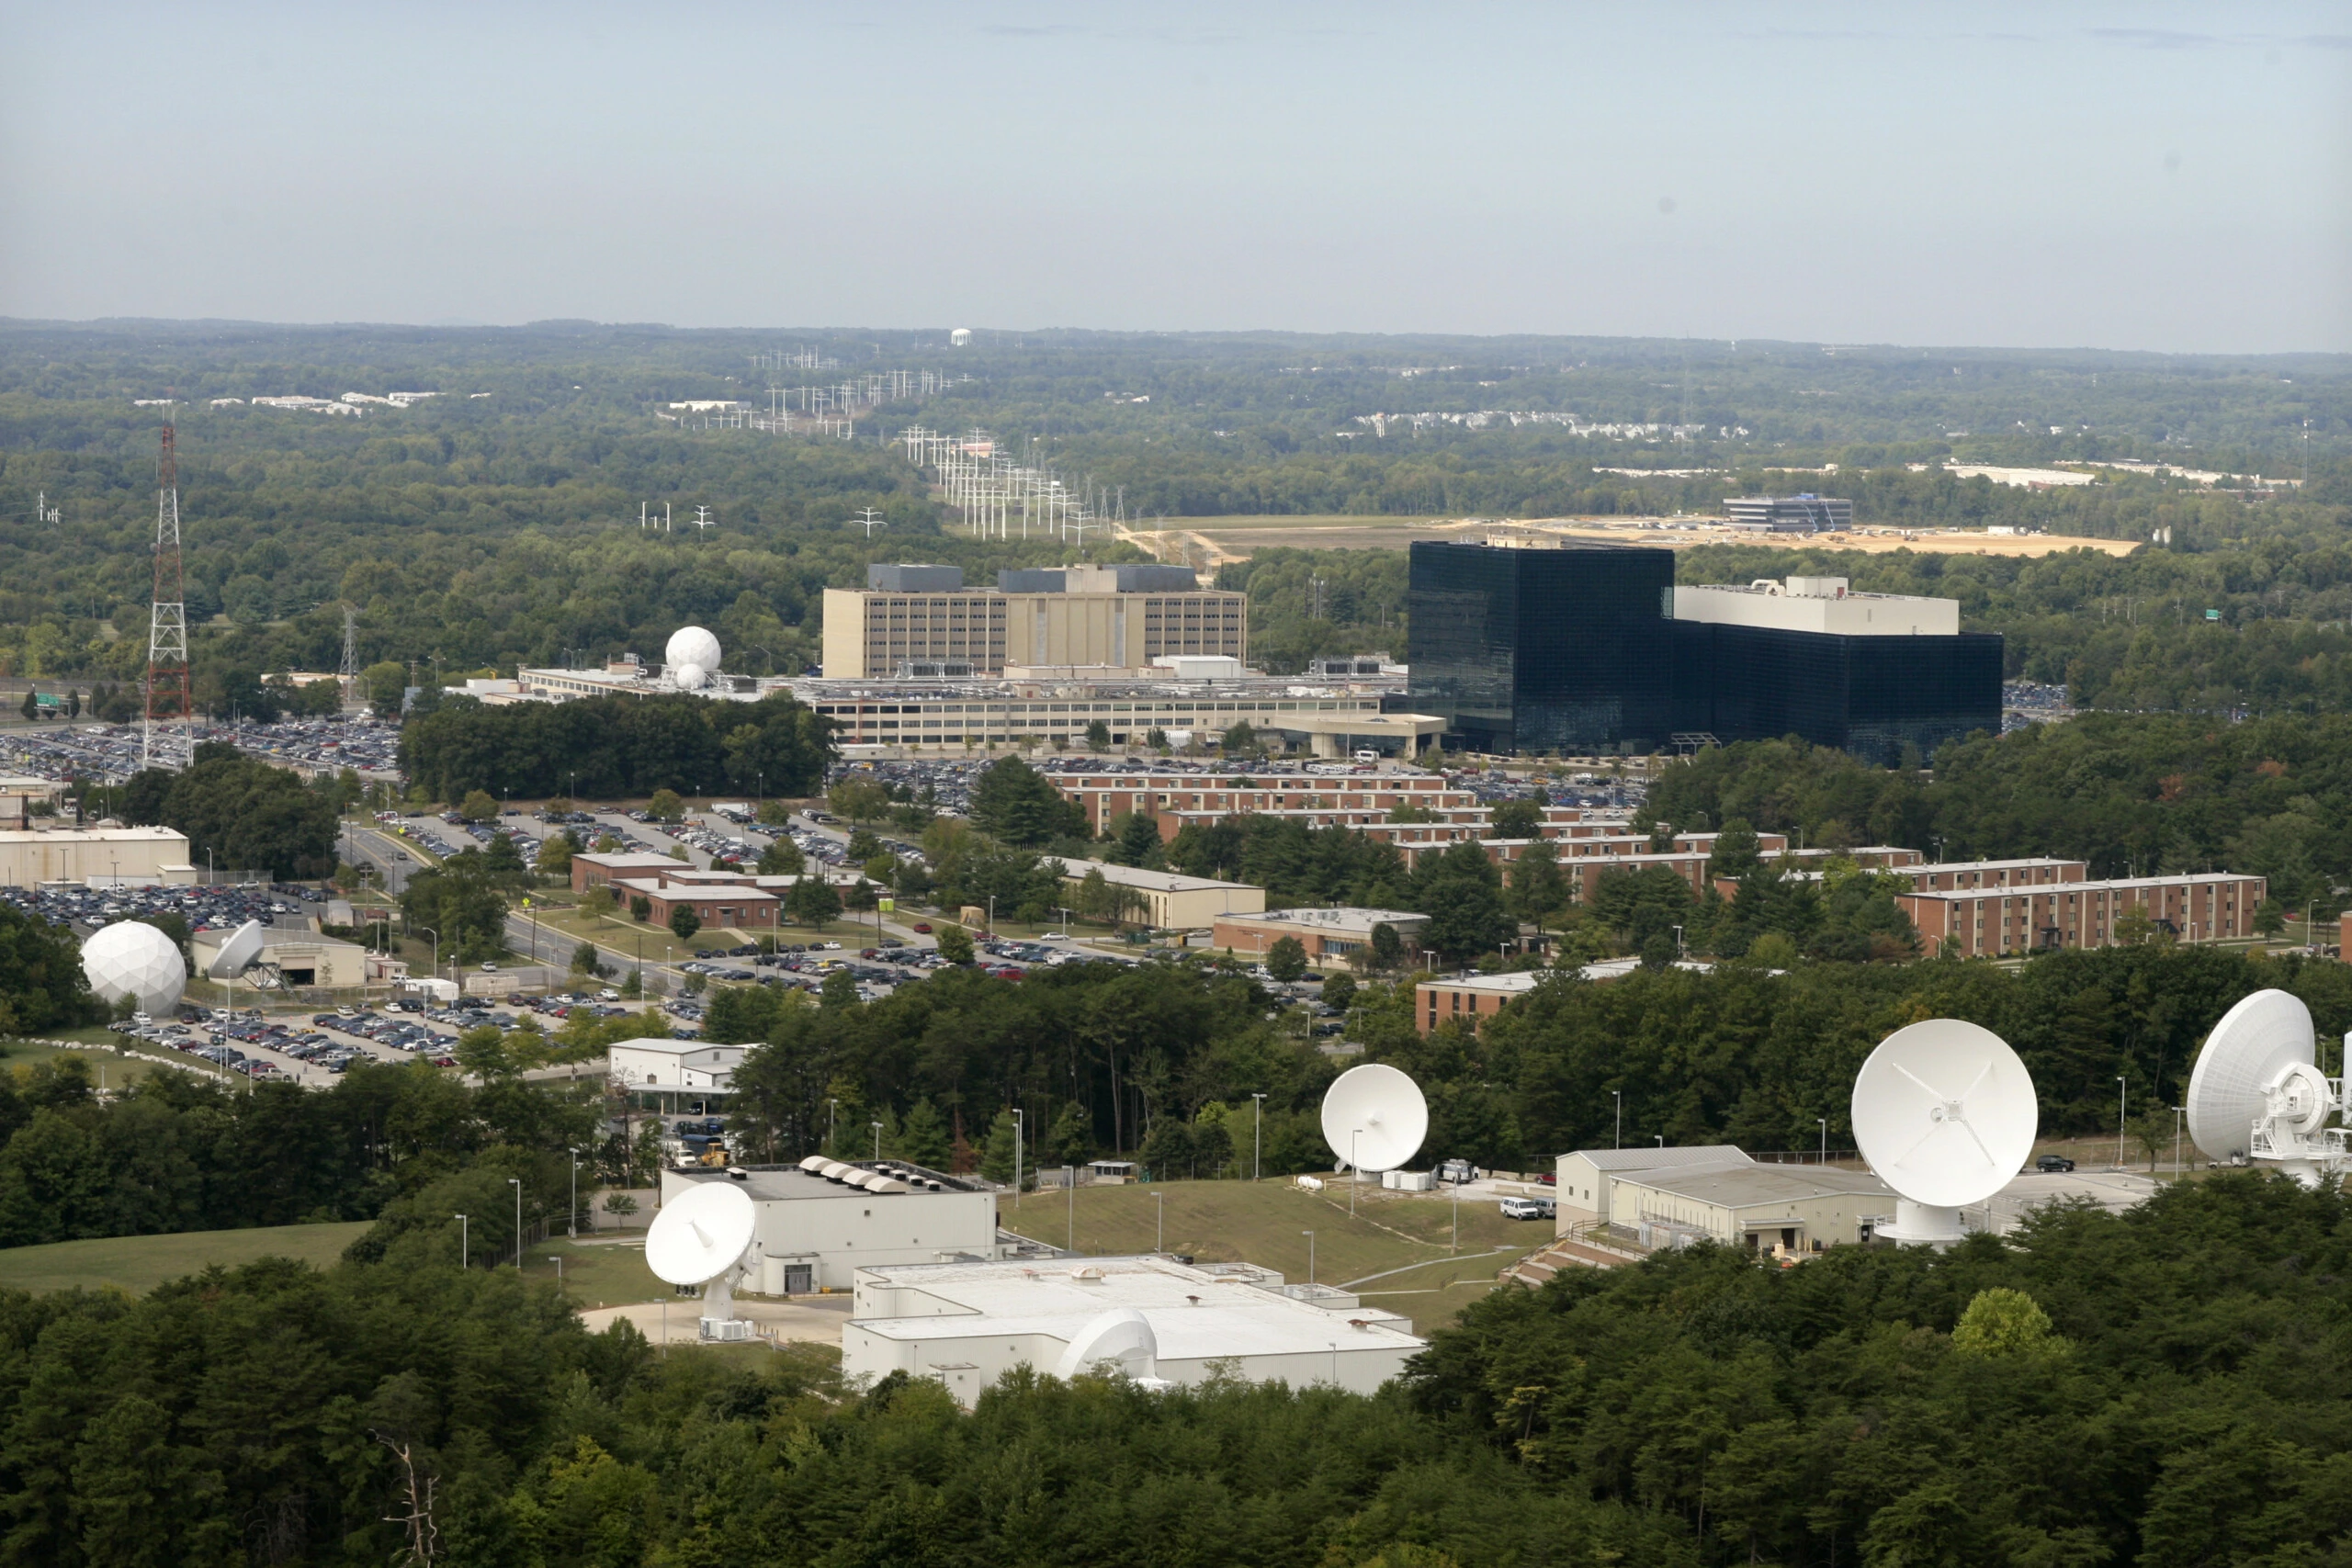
column 1790, row 513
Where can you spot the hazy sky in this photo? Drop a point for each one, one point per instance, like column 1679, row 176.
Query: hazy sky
column 2123, row 175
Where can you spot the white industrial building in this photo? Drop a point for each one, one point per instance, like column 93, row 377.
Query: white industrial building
column 660, row 1064
column 1824, row 604
column 820, row 1221
column 965, row 1324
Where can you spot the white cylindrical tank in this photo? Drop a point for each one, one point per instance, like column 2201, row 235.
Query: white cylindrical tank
column 132, row 959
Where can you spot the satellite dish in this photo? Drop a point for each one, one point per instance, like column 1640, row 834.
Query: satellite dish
column 702, row 1237
column 2258, row 1089
column 2259, row 1038
column 236, row 954
column 1374, row 1117
column 1122, row 1337
column 1945, row 1113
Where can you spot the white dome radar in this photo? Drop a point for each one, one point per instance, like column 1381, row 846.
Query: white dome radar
column 692, row 651
column 133, row 959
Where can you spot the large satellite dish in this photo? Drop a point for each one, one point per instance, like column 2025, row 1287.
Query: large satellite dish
column 1945, row 1113
column 1374, row 1117
column 242, row 947
column 2258, row 1089
column 2259, row 1039
column 703, row 1236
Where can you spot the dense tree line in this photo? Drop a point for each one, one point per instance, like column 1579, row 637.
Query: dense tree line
column 1750, row 1053
column 606, row 748
column 2156, row 1387
column 2129, row 794
column 178, row 1152
column 41, row 982
column 239, row 812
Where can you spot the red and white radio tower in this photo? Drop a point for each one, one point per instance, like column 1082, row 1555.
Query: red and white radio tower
column 168, row 742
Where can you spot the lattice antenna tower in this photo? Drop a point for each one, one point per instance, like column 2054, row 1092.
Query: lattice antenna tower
column 164, row 738
column 349, row 672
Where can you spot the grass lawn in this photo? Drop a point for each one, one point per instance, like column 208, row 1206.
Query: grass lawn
column 139, row 1263
column 1261, row 1223
column 119, row 1072
column 597, row 1274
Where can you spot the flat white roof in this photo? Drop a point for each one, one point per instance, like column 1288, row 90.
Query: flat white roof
column 1745, row 1185
column 1155, row 881
column 1340, row 919
column 674, row 1047
column 1659, row 1160
column 789, row 1184
column 1232, row 1316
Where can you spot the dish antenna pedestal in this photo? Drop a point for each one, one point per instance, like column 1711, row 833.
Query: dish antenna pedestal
column 2257, row 1090
column 1945, row 1114
column 1374, row 1118
column 704, row 1238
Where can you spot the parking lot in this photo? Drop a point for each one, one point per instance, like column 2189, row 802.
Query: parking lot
column 110, row 752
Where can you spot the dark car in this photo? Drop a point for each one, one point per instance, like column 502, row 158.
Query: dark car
column 2053, row 1164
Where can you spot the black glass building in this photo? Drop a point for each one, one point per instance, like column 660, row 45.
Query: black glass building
column 1544, row 649
column 1870, row 696
column 1579, row 650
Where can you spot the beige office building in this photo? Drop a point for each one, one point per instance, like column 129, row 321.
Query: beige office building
column 922, row 619
column 29, row 857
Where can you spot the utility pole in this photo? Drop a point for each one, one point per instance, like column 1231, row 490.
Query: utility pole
column 168, row 700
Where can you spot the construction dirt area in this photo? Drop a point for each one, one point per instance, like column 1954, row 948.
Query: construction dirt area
column 1208, row 543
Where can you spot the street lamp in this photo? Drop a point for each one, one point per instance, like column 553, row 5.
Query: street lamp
column 2178, row 1168
column 1257, row 1132
column 833, row 1133
column 572, row 1229
column 1619, row 1096
column 517, row 1183
column 1159, row 1223
column 436, row 949
column 2122, row 1098
column 1017, row 1131
column 1310, row 1254
column 1825, row 1138
column 1678, row 944
column 462, row 1247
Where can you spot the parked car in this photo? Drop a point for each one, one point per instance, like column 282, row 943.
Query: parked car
column 2053, row 1164
column 1527, row 1208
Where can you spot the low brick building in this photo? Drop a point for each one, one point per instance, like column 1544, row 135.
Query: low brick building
column 733, row 905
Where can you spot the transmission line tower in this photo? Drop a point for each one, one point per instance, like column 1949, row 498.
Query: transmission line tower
column 349, row 672
column 165, row 739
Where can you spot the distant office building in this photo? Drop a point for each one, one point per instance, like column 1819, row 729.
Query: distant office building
column 910, row 620
column 1568, row 650
column 1790, row 513
column 1869, row 673
column 1593, row 647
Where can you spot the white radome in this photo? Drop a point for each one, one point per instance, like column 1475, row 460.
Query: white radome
column 132, row 959
column 687, row 677
column 691, row 646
